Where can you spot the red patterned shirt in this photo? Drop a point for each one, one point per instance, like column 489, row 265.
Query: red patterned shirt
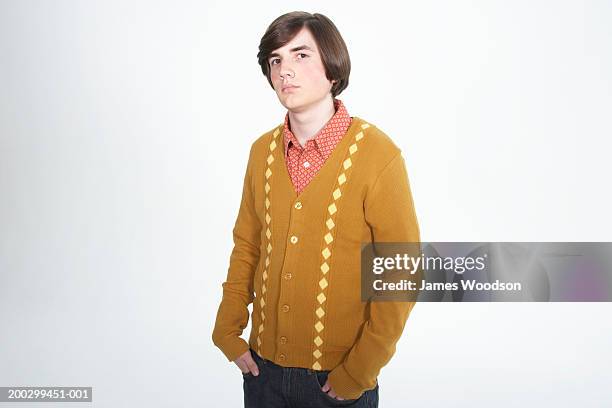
column 303, row 163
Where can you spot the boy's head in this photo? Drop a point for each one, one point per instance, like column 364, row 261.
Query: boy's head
column 307, row 51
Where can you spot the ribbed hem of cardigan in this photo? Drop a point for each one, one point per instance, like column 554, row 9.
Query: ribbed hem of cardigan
column 233, row 347
column 343, row 384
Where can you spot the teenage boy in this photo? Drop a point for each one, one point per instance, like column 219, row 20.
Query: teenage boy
column 316, row 187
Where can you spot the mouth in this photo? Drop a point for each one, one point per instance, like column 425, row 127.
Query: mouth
column 290, row 88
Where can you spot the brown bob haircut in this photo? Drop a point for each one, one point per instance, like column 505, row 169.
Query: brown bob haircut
column 332, row 48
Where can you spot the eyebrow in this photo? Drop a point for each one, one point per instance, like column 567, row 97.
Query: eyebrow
column 298, row 48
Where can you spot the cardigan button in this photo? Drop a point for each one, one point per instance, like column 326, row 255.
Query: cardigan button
column 298, row 205
column 285, row 308
column 283, row 340
column 288, row 275
column 281, row 357
column 294, row 239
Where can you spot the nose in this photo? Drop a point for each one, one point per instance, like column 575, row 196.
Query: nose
column 286, row 70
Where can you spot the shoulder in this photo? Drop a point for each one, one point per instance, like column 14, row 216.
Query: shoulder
column 378, row 146
column 261, row 145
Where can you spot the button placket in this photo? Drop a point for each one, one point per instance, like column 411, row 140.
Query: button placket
column 287, row 286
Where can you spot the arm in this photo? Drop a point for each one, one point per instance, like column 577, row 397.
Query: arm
column 389, row 211
column 233, row 314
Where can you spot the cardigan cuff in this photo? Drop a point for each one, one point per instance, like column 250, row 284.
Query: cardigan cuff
column 233, row 347
column 343, row 384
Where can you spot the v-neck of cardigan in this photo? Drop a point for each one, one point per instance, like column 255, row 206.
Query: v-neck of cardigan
column 327, row 165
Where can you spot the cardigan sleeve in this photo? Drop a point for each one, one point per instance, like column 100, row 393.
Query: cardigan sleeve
column 233, row 314
column 390, row 213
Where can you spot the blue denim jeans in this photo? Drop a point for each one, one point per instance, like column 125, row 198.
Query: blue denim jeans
column 294, row 387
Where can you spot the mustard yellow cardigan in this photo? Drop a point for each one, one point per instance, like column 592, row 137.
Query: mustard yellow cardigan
column 297, row 259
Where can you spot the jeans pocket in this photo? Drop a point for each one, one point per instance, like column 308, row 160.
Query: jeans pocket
column 258, row 360
column 320, row 378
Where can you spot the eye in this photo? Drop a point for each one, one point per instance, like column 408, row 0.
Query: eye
column 272, row 61
column 306, row 55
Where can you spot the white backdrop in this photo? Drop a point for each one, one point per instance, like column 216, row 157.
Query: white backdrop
column 124, row 132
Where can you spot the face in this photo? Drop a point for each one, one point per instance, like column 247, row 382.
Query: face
column 298, row 64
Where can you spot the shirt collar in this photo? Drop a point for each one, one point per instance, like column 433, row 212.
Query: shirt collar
column 328, row 133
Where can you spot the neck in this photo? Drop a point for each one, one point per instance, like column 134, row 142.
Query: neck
column 306, row 124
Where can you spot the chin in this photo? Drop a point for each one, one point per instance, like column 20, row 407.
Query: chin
column 290, row 101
